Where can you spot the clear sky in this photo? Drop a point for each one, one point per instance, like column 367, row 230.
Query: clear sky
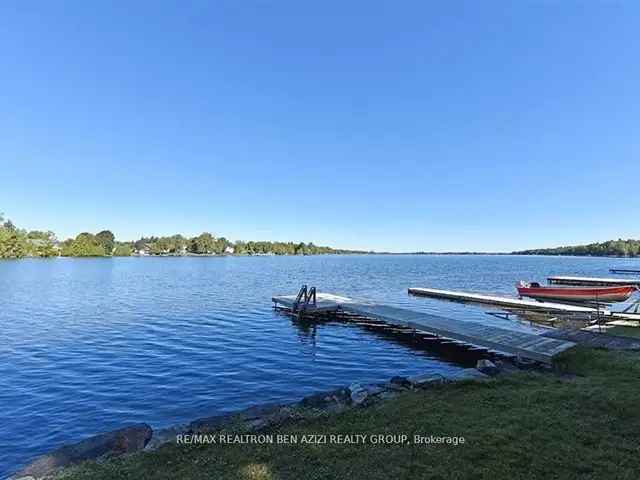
column 392, row 125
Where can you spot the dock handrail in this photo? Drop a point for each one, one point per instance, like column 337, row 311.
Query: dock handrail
column 312, row 294
column 301, row 293
column 305, row 295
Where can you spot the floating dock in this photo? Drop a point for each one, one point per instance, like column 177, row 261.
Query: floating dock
column 592, row 281
column 511, row 302
column 521, row 344
column 629, row 312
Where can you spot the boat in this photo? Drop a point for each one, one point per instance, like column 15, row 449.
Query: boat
column 576, row 294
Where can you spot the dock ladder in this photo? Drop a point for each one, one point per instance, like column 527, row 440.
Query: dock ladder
column 305, row 297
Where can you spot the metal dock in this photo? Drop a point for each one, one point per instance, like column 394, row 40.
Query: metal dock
column 622, row 311
column 592, row 281
column 512, row 302
column 521, row 344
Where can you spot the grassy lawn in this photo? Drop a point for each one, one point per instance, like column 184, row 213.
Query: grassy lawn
column 584, row 424
column 633, row 332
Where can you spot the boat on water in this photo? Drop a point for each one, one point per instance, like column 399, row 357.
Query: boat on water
column 576, row 294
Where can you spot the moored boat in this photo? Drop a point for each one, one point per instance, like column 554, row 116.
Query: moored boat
column 576, row 294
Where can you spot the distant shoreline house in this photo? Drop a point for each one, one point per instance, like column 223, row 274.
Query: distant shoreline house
column 145, row 250
column 229, row 250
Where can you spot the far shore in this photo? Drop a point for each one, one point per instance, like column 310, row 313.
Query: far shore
column 221, row 255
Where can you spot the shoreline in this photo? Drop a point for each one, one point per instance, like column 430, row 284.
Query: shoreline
column 254, row 419
column 522, row 424
column 350, row 254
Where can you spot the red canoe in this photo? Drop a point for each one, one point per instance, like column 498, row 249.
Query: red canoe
column 576, row 294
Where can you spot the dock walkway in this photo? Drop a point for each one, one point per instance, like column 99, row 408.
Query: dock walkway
column 529, row 305
column 512, row 302
column 522, row 344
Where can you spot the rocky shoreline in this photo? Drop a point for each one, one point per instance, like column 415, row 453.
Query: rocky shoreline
column 137, row 437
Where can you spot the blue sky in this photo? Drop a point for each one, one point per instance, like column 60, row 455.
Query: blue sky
column 396, row 126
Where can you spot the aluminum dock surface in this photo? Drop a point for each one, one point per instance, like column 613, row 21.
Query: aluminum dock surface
column 502, row 301
column 592, row 281
column 522, row 344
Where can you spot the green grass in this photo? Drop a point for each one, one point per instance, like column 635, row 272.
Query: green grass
column 582, row 424
column 633, row 332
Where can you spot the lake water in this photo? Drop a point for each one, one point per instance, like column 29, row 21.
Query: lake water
column 88, row 345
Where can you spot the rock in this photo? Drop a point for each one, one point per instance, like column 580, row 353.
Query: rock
column 374, row 389
column 487, row 367
column 425, row 380
column 282, row 415
column 209, row 424
column 387, row 395
column 269, row 416
column 358, row 394
column 256, row 417
column 166, row 435
column 395, row 387
column 325, row 399
column 258, row 411
column 313, row 413
column 401, row 381
column 110, row 444
column 339, row 401
column 466, row 374
column 250, row 419
column 255, row 424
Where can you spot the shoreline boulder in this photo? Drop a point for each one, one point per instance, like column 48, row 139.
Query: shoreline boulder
column 487, row 367
column 358, row 394
column 110, row 444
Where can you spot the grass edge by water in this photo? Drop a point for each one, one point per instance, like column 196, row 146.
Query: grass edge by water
column 582, row 423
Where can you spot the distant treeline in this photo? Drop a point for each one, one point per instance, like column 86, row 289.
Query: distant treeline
column 18, row 243
column 612, row 248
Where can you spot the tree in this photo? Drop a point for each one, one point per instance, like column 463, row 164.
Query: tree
column 16, row 243
column 13, row 242
column 66, row 248
column 143, row 242
column 123, row 249
column 240, row 247
column 203, row 243
column 107, row 239
column 41, row 244
column 40, row 235
column 178, row 244
column 8, row 225
column 617, row 248
column 84, row 245
column 221, row 245
column 46, row 249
